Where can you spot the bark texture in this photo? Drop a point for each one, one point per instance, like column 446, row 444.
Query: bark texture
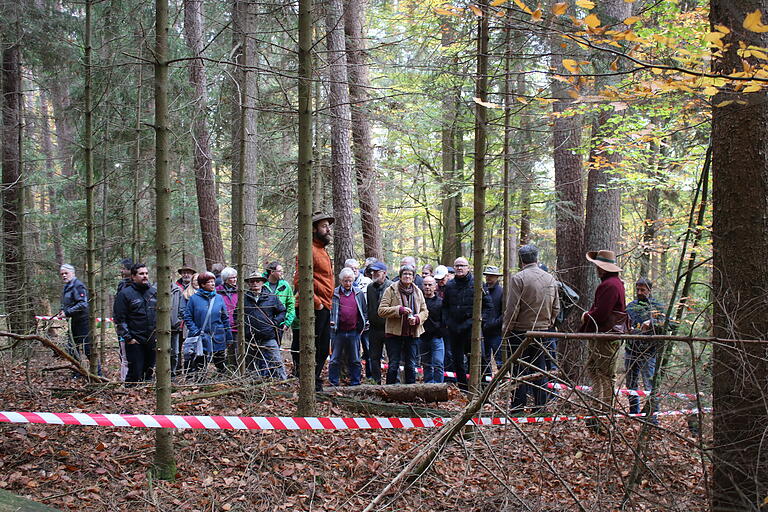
column 740, row 249
column 13, row 191
column 341, row 148
column 362, row 146
column 205, row 183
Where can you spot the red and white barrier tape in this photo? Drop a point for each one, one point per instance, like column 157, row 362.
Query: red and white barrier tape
column 41, row 317
column 629, row 392
column 275, row 422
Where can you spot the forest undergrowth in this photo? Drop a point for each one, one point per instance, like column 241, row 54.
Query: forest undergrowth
column 538, row 467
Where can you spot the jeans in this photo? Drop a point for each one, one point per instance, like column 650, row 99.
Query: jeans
column 550, row 361
column 80, row 338
column 263, row 356
column 141, row 361
column 534, row 354
column 401, row 348
column 345, row 343
column 432, row 350
column 375, row 352
column 640, row 365
column 491, row 352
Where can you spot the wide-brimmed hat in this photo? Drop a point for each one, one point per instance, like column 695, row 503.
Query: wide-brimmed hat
column 604, row 259
column 186, row 267
column 256, row 276
column 318, row 216
column 490, row 270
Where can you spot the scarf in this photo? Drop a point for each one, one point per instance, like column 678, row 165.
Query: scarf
column 408, row 300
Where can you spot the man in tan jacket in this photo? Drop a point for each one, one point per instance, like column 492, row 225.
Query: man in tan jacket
column 533, row 306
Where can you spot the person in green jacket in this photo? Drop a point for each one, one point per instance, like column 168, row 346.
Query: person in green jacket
column 278, row 286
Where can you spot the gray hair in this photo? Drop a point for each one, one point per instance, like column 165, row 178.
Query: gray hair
column 67, row 267
column 351, row 261
column 409, row 260
column 346, row 272
column 407, row 268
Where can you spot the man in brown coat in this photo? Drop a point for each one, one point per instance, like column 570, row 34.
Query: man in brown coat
column 323, row 292
column 533, row 306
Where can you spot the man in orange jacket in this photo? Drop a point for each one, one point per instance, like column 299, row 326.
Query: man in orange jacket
column 323, row 292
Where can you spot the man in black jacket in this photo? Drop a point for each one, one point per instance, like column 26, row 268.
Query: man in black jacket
column 264, row 316
column 457, row 317
column 135, row 322
column 74, row 306
column 493, row 317
column 376, row 331
column 431, row 344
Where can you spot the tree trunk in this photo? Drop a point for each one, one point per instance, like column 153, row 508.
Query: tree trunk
column 90, row 206
column 451, row 248
column 136, row 175
column 603, row 219
column 65, row 136
column 208, row 208
column 400, row 392
column 165, row 461
column 362, row 146
column 244, row 28
column 740, row 249
column 50, row 171
column 525, row 178
column 306, row 401
column 481, row 128
column 13, row 192
column 569, row 210
column 341, row 149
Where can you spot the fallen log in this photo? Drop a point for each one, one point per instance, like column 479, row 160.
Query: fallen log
column 59, row 352
column 384, row 409
column 399, row 392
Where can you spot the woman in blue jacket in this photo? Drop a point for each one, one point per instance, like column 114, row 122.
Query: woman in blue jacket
column 216, row 332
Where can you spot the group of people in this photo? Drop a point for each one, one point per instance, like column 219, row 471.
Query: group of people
column 414, row 317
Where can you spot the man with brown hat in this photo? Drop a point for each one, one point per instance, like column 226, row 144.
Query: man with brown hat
column 607, row 314
column 323, row 291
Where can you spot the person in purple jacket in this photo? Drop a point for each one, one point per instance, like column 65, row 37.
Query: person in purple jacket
column 228, row 291
column 606, row 314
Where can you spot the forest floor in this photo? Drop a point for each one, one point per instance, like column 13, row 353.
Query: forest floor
column 538, row 467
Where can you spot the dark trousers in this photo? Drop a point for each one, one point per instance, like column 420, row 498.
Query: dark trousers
column 366, row 356
column 176, row 357
column 141, row 360
column 401, row 348
column 80, row 340
column 375, row 351
column 460, row 342
column 197, row 363
column 534, row 354
column 322, row 340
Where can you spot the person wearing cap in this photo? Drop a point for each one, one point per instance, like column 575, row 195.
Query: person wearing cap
column 349, row 319
column 376, row 332
column 264, row 319
column 216, row 331
column 533, row 306
column 451, row 274
column 280, row 288
column 607, row 314
column 458, row 304
column 492, row 319
column 646, row 317
column 405, row 311
column 178, row 304
column 74, row 307
column 441, row 278
column 323, row 290
column 135, row 317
